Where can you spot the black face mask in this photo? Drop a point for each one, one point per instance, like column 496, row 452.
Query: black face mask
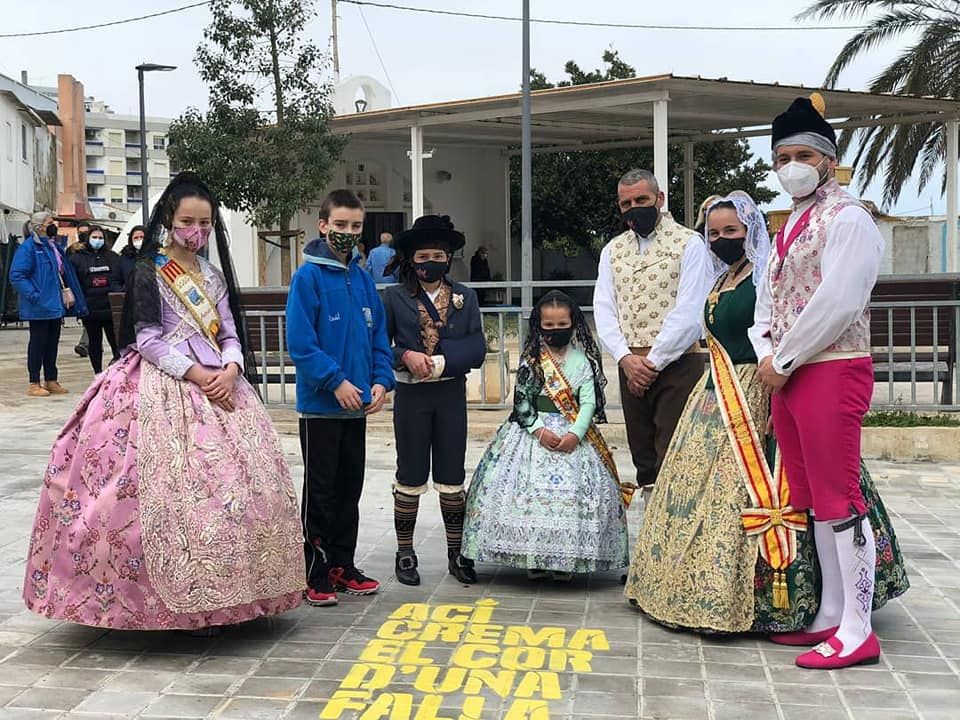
column 557, row 337
column 430, row 271
column 730, row 250
column 51, row 231
column 642, row 220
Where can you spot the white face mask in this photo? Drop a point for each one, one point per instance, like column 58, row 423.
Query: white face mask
column 137, row 243
column 799, row 179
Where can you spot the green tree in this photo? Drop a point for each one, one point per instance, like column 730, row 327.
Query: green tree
column 930, row 66
column 574, row 193
column 264, row 144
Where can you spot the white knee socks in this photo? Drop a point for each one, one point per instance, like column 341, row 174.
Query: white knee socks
column 831, row 596
column 857, row 556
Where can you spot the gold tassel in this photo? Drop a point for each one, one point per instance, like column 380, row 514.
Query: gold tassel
column 781, row 592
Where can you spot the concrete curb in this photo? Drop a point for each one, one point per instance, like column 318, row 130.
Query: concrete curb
column 926, row 444
column 923, row 444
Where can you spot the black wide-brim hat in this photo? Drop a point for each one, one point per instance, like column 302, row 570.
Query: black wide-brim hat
column 429, row 231
column 802, row 116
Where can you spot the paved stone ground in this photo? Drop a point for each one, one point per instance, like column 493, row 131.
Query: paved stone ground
column 289, row 666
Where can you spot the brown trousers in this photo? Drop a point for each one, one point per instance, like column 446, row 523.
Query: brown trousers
column 651, row 419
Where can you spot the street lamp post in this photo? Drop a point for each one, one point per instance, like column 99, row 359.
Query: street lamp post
column 144, row 176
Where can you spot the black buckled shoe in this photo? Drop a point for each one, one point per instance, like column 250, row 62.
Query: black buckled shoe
column 406, row 567
column 462, row 568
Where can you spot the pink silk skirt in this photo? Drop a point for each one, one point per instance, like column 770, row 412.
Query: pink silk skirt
column 159, row 510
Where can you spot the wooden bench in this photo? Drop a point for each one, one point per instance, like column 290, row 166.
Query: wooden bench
column 924, row 349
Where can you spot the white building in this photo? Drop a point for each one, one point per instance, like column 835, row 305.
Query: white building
column 114, row 173
column 28, row 154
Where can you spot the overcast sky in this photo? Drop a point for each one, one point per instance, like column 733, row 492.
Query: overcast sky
column 432, row 58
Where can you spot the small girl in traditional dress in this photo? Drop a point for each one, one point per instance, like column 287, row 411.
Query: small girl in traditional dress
column 546, row 496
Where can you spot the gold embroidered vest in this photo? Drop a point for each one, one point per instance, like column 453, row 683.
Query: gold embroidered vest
column 800, row 275
column 646, row 281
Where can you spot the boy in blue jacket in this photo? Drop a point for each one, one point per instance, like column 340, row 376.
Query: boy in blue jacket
column 337, row 337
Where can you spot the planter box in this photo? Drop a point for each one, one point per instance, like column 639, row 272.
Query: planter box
column 930, row 444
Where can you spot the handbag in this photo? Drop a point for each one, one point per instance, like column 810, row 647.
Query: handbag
column 69, row 300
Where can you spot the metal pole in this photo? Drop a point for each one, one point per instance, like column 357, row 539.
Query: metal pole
column 660, row 150
column 508, row 245
column 689, row 199
column 951, row 127
column 144, row 177
column 335, row 42
column 526, row 213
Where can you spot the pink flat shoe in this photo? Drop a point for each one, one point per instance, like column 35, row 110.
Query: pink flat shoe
column 826, row 655
column 802, row 637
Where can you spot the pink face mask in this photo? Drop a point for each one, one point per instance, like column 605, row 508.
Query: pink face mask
column 192, row 237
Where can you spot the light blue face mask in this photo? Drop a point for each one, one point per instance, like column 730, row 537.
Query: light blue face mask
column 96, row 243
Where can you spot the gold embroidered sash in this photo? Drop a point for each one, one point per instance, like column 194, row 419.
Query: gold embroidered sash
column 771, row 517
column 193, row 296
column 561, row 393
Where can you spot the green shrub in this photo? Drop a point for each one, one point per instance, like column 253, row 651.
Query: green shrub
column 903, row 419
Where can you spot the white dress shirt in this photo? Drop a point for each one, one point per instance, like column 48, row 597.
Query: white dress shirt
column 849, row 266
column 682, row 326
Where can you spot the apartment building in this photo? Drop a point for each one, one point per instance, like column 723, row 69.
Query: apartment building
column 114, row 173
column 28, row 154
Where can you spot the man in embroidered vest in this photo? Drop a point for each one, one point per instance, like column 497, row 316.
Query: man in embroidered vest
column 652, row 283
column 812, row 335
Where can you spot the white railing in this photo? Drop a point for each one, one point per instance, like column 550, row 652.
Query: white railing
column 915, row 353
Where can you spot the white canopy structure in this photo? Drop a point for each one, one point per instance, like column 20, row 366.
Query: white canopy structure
column 658, row 110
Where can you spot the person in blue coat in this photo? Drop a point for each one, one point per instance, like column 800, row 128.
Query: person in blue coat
column 337, row 337
column 40, row 272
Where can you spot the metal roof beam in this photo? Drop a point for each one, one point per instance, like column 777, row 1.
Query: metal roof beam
column 738, row 134
column 541, row 105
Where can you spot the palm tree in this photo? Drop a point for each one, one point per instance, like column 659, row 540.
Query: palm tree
column 929, row 67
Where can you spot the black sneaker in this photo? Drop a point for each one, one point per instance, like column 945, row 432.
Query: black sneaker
column 406, row 568
column 352, row 581
column 81, row 350
column 461, row 568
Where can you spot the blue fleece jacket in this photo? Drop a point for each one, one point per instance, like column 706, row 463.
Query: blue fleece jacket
column 35, row 273
column 336, row 331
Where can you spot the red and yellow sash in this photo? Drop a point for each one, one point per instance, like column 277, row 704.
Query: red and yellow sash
column 561, row 393
column 771, row 516
column 193, row 297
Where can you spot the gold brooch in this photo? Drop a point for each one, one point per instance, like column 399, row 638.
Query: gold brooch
column 458, row 301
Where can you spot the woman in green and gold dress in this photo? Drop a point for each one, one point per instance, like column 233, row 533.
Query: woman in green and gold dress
column 721, row 550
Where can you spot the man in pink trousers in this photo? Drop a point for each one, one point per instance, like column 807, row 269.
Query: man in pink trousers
column 812, row 334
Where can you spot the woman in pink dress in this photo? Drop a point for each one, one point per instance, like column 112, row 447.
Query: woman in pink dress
column 167, row 503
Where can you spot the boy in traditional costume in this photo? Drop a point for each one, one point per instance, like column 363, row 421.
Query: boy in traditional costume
column 812, row 335
column 436, row 331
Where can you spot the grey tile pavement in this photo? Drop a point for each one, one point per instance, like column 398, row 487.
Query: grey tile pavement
column 289, row 667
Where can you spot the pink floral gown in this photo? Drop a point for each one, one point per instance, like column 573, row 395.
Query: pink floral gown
column 159, row 510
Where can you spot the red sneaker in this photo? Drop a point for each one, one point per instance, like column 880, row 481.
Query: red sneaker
column 352, row 581
column 802, row 637
column 321, row 596
column 826, row 655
